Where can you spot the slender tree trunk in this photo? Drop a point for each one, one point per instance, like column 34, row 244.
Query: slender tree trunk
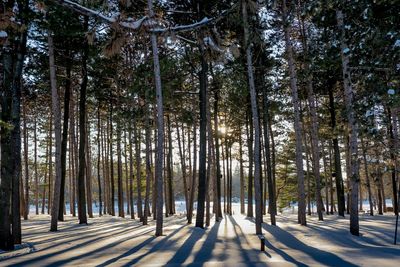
column 26, row 160
column 242, row 189
column 160, row 127
column 353, row 128
column 57, row 132
column 64, row 141
column 392, row 131
column 217, row 157
column 194, row 173
column 49, row 199
column 183, row 163
column 82, row 133
column 127, row 177
column 138, row 172
column 112, row 195
column 364, row 154
column 99, row 159
column 338, row 168
column 73, row 154
column 121, row 212
column 270, row 182
column 148, row 165
column 249, row 128
column 131, row 175
column 88, row 170
column 297, row 124
column 35, row 166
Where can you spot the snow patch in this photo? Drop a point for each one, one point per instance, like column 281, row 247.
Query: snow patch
column 391, row 91
column 3, row 34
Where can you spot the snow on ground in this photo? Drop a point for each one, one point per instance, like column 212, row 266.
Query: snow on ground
column 112, row 241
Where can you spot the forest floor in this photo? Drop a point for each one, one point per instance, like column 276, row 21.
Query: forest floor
column 112, row 241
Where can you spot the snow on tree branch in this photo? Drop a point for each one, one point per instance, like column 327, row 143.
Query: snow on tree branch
column 137, row 24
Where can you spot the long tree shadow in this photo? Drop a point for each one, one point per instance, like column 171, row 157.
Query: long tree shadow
column 135, row 249
column 239, row 235
column 205, row 253
column 323, row 257
column 184, row 251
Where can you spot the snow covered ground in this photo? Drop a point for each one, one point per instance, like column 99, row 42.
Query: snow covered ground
column 112, row 241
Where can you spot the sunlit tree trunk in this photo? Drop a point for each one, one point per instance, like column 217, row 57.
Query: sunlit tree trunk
column 297, row 124
column 353, row 128
column 57, row 132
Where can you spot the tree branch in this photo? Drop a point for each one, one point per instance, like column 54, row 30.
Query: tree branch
column 137, row 24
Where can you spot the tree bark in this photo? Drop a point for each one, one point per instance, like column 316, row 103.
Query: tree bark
column 160, row 127
column 82, row 133
column 57, row 132
column 336, row 152
column 64, row 141
column 297, row 124
column 353, row 128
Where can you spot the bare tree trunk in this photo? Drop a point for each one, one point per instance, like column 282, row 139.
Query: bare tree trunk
column 217, row 157
column 73, row 155
column 127, row 177
column 110, row 142
column 82, row 133
column 170, row 170
column 148, row 166
column 249, row 130
column 121, row 212
column 353, row 128
column 160, row 127
column 64, row 142
column 297, row 124
column 364, row 153
column 242, row 210
column 138, row 172
column 338, row 168
column 49, row 199
column 35, row 166
column 194, row 172
column 183, row 164
column 57, row 131
column 26, row 160
column 131, row 176
column 99, row 159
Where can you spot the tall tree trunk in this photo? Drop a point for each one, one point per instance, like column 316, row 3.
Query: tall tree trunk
column 270, row 182
column 99, row 159
column 73, row 154
column 88, row 169
column 6, row 238
column 203, row 139
column 26, row 160
column 148, row 164
column 82, row 133
column 217, row 157
column 249, row 130
column 57, row 132
column 336, row 152
column 364, row 154
column 256, row 121
column 138, row 172
column 111, row 152
column 131, row 175
column 49, row 199
column 64, row 141
column 394, row 164
column 121, row 212
column 35, row 166
column 194, row 173
column 170, row 169
column 353, row 128
column 183, row 163
column 242, row 210
column 127, row 177
column 160, row 127
column 297, row 124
